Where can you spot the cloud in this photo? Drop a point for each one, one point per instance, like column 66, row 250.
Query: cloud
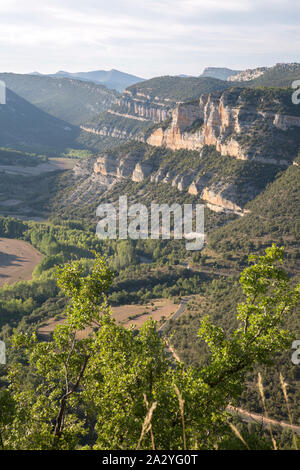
column 148, row 37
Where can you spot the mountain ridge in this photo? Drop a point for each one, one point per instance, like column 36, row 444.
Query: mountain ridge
column 68, row 99
column 112, row 79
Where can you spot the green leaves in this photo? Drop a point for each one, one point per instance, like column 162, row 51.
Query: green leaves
column 88, row 293
column 260, row 336
column 94, row 387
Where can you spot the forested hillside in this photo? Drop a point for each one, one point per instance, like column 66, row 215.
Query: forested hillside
column 281, row 75
column 178, row 88
column 68, row 99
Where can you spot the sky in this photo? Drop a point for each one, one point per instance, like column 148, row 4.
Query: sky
column 147, row 37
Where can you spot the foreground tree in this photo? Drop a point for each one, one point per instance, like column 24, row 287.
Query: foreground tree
column 114, row 389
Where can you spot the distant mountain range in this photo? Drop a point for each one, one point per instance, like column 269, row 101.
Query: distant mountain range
column 68, row 99
column 113, row 79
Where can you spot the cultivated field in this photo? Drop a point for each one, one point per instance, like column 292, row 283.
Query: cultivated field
column 17, row 260
column 126, row 315
column 53, row 164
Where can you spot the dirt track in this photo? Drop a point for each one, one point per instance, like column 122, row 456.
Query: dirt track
column 17, row 260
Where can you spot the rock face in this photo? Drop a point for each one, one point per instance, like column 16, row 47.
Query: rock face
column 222, row 73
column 247, row 75
column 220, row 197
column 130, row 117
column 141, row 171
column 225, row 121
column 285, row 122
column 278, row 69
column 118, row 169
column 114, row 131
column 199, row 184
column 246, row 124
column 143, row 106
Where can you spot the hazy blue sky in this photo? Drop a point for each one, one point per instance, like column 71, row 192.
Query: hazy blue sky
column 147, row 37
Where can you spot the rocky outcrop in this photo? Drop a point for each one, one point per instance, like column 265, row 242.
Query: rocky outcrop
column 222, row 73
column 141, row 171
column 131, row 116
column 220, row 197
column 284, row 122
column 114, row 131
column 277, row 70
column 118, row 169
column 225, row 121
column 198, row 184
column 238, row 123
column 140, row 105
column 247, row 75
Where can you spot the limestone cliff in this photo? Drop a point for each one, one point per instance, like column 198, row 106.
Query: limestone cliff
column 222, row 73
column 234, row 125
column 131, row 116
column 140, row 105
column 259, row 128
column 220, row 190
column 108, row 130
column 247, row 75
